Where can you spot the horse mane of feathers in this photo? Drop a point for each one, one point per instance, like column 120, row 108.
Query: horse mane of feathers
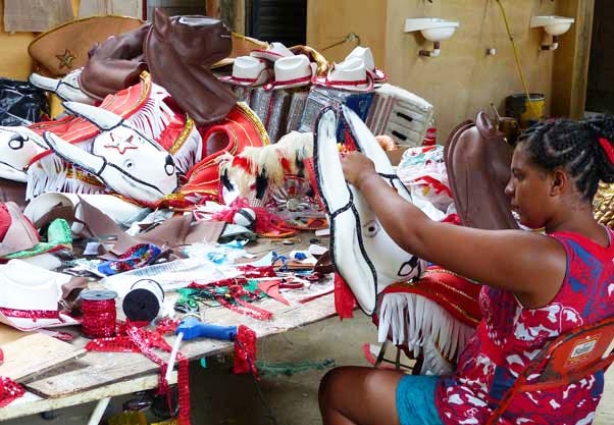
column 261, row 167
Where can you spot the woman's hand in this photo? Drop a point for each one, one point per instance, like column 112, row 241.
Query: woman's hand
column 356, row 167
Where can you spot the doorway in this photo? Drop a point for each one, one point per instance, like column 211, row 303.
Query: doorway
column 600, row 85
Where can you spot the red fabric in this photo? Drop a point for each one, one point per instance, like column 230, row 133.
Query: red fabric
column 242, row 128
column 5, row 221
column 75, row 129
column 345, row 301
column 456, row 294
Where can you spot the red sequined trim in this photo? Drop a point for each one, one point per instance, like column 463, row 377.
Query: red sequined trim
column 30, row 314
column 9, row 391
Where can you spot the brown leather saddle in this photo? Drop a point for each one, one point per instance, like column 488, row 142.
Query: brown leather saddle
column 478, row 162
column 178, row 51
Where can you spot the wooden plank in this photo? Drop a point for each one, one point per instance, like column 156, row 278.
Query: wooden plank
column 100, row 369
column 31, row 404
column 30, row 354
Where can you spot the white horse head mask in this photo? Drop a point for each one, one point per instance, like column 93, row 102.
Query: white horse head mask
column 18, row 145
column 363, row 253
column 66, row 88
column 128, row 162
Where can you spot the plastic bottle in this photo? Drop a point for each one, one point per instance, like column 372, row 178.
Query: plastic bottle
column 430, row 138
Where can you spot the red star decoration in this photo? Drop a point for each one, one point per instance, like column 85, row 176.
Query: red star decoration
column 122, row 145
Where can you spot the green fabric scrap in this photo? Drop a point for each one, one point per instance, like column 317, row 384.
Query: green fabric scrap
column 59, row 236
column 292, row 368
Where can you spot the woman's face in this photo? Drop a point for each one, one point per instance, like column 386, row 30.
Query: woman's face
column 529, row 190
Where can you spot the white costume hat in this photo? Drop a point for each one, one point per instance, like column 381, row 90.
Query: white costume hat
column 274, row 52
column 30, row 295
column 366, row 55
column 292, row 71
column 351, row 75
column 248, row 71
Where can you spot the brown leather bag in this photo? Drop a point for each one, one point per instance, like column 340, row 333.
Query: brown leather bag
column 478, row 162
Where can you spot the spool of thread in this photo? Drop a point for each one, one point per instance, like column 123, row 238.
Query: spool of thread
column 99, row 314
column 144, row 301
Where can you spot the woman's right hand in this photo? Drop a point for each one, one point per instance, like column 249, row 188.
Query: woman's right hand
column 356, row 167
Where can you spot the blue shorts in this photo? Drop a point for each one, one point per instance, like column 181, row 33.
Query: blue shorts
column 415, row 400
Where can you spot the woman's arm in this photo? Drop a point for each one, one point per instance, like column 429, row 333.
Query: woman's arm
column 523, row 262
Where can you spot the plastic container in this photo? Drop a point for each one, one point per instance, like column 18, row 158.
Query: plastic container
column 527, row 112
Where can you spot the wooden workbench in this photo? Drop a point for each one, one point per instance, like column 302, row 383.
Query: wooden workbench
column 100, row 375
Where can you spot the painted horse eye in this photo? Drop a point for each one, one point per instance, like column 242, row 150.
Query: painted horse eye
column 169, row 167
column 128, row 164
column 371, row 228
column 17, row 141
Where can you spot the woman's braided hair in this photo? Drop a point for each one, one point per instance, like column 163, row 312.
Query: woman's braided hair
column 583, row 148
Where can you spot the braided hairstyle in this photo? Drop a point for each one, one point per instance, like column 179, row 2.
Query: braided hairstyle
column 585, row 149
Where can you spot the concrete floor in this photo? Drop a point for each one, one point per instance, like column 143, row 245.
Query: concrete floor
column 220, row 398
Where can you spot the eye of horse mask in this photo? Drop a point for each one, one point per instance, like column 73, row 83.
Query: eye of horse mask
column 365, row 256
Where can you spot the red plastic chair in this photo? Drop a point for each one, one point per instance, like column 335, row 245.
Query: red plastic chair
column 567, row 359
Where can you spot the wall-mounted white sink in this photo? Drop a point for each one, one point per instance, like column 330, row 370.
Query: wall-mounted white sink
column 553, row 25
column 433, row 29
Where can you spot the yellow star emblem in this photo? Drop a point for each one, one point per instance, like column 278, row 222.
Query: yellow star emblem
column 66, row 59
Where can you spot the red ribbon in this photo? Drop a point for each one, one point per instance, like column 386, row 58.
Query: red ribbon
column 607, row 147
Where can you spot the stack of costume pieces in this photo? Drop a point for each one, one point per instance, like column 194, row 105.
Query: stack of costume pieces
column 141, row 143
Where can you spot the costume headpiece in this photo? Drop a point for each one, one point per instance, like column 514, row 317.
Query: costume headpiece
column 363, row 253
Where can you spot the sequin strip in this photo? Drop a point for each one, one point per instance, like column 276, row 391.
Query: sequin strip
column 30, row 314
column 99, row 317
column 245, row 352
column 9, row 391
column 138, row 340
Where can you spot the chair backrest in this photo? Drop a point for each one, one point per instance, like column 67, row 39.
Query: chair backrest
column 570, row 357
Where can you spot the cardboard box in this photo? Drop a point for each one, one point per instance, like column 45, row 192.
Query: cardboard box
column 395, row 155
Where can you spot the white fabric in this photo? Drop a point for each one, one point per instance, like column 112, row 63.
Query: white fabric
column 423, row 325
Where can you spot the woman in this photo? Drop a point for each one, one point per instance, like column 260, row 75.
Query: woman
column 537, row 286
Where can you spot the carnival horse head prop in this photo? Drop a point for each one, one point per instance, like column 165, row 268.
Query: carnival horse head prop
column 18, row 145
column 363, row 253
column 66, row 88
column 128, row 162
column 179, row 52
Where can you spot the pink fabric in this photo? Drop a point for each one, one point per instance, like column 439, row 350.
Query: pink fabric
column 509, row 336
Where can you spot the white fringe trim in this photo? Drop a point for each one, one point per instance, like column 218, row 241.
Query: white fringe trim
column 423, row 325
column 190, row 152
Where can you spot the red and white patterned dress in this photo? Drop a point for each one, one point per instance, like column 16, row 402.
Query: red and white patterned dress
column 509, row 336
